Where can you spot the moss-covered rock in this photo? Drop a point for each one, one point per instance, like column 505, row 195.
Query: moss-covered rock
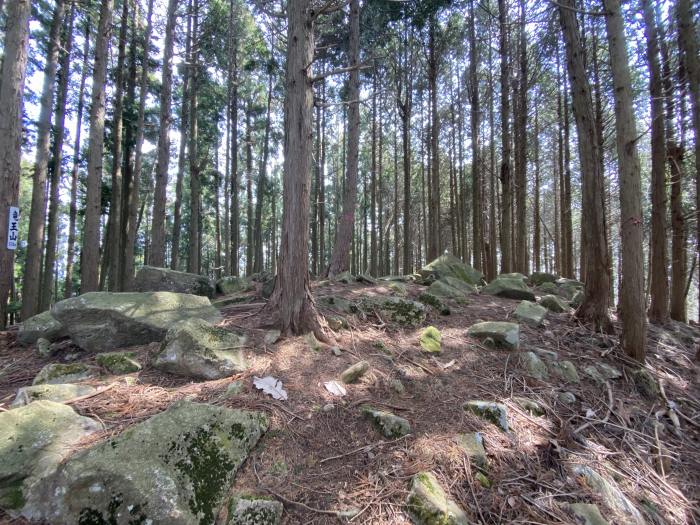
column 610, row 493
column 343, row 277
column 43, row 325
column 530, row 313
column 585, row 513
column 509, row 288
column 452, row 288
column 355, row 372
column 553, row 304
column 247, row 509
column 390, row 425
column 503, row 334
column 593, row 373
column 59, row 392
column 396, row 309
column 513, row 275
column 118, row 362
column 539, row 278
column 566, row 398
column 34, row 439
column 528, row 405
column 473, row 446
column 101, row 321
column 55, row 373
column 608, row 371
column 496, row 413
column 337, row 304
column 565, row 370
column 336, row 323
column 450, row 266
column 431, row 340
column 434, row 301
column 230, row 285
column 428, row 504
column 152, row 279
column 534, row 366
column 175, row 469
column 398, row 288
column 548, row 288
column 645, row 383
column 194, row 348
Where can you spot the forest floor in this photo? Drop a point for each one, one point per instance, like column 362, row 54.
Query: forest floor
column 322, row 457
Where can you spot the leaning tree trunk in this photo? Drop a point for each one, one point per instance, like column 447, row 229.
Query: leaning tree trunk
column 291, row 302
column 37, row 218
column 632, row 305
column 659, row 307
column 12, row 76
column 90, row 254
column 157, row 251
column 594, row 308
column 341, row 249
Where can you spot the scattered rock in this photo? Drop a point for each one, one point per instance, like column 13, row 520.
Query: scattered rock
column 43, row 325
column 34, row 439
column 566, row 370
column 452, row 288
column 553, row 304
column 535, row 367
column 343, row 277
column 365, row 279
column 539, row 278
column 355, row 372
column 234, row 388
column 396, row 309
column 336, row 323
column 99, row 321
column 313, row 343
column 645, row 383
column 339, row 304
column 230, row 285
column 609, row 492
column 118, row 362
column 505, row 335
column 245, row 509
column 585, row 513
column 152, row 279
column 434, row 301
column 43, row 347
column 508, row 288
column 398, row 288
column 549, row 355
column 431, row 340
column 473, row 446
column 566, row 398
column 495, row 413
column 55, row 373
column 49, row 392
column 390, row 425
column 336, row 351
column 608, row 372
column 397, row 386
column 548, row 288
column 528, row 405
column 272, row 336
column 428, row 504
column 592, row 372
column 450, row 266
column 175, row 468
column 194, row 348
column 530, row 313
column 483, row 480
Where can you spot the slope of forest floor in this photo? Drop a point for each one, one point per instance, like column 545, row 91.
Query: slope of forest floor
column 322, row 458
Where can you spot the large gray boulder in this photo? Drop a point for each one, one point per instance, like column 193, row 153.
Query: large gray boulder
column 510, row 288
column 530, row 313
column 194, row 348
column 501, row 333
column 34, row 439
column 450, row 266
column 40, row 326
column 451, row 288
column 173, row 469
column 152, row 279
column 101, row 321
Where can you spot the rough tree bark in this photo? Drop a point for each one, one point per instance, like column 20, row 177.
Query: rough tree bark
column 194, row 252
column 521, row 254
column 505, row 174
column 475, row 115
column 262, row 184
column 433, row 234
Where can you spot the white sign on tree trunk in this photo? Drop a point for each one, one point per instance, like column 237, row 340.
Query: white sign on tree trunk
column 13, row 228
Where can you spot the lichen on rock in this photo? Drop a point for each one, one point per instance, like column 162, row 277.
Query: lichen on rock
column 428, row 504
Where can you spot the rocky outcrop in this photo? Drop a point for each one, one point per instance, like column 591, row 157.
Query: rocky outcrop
column 173, row 469
column 194, row 348
column 100, row 321
column 530, row 313
column 508, row 287
column 498, row 333
column 40, row 326
column 55, row 373
column 396, row 309
column 450, row 266
column 152, row 279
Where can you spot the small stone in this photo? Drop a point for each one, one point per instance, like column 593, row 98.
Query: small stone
column 335, row 323
column 330, row 407
column 608, row 372
column 428, row 504
column 473, row 446
column 528, row 405
column 553, row 304
column 118, row 362
column 43, row 347
column 586, row 513
column 645, row 383
column 272, row 336
column 430, row 340
column 397, row 386
column 534, row 365
column 59, row 373
column 355, row 372
column 530, row 313
column 336, row 351
column 244, row 509
column 566, row 398
column 577, row 299
column 483, row 480
column 549, row 355
column 505, row 335
column 313, row 343
column 495, row 413
column 592, row 372
column 390, row 425
column 566, row 371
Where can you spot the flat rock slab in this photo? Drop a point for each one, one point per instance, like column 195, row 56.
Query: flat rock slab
column 173, row 469
column 503, row 334
column 428, row 504
column 60, row 392
column 34, row 439
column 152, row 279
column 40, row 326
column 510, row 288
column 102, row 321
column 496, row 413
column 194, row 348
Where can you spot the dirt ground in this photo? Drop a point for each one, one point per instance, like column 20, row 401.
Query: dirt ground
column 321, row 457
